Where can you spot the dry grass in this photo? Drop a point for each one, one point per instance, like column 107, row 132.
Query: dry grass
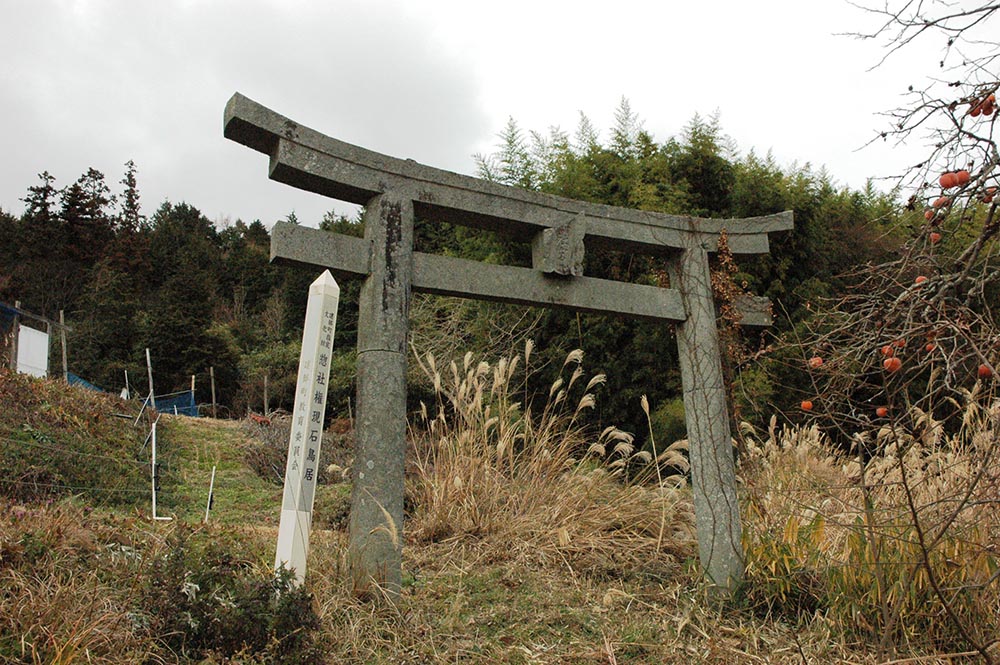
column 539, row 488
column 527, row 542
column 461, row 605
column 68, row 588
column 896, row 543
column 81, row 586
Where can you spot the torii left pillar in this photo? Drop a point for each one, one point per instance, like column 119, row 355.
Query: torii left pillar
column 376, row 528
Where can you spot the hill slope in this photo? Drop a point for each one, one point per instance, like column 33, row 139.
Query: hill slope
column 87, row 576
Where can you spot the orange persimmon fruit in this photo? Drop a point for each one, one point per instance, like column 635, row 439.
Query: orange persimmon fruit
column 892, row 364
column 948, row 180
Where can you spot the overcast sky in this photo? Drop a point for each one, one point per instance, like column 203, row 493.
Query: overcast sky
column 98, row 82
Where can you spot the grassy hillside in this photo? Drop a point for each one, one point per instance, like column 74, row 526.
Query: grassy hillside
column 503, row 563
column 57, row 441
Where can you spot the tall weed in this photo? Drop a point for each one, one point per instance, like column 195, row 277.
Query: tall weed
column 895, row 543
column 543, row 486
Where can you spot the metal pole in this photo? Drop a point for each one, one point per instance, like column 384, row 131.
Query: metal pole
column 211, row 495
column 152, row 471
column 48, row 347
column 265, row 394
column 154, row 474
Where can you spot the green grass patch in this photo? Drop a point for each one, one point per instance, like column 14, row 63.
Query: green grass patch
column 198, row 445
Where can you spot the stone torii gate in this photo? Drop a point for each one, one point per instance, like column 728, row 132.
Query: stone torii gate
column 560, row 230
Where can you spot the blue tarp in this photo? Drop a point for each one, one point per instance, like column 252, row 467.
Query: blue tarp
column 7, row 314
column 75, row 380
column 181, row 403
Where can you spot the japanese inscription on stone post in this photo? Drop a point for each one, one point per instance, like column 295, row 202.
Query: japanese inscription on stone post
column 301, row 467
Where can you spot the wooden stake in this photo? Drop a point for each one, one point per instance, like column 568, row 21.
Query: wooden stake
column 16, row 331
column 62, row 339
column 149, row 371
column 265, row 395
column 211, row 374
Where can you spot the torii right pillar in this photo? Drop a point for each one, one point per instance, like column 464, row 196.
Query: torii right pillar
column 713, row 466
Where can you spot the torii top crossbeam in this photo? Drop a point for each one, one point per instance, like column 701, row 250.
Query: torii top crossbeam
column 309, row 160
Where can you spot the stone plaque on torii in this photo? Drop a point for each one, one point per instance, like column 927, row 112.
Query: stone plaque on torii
column 560, row 230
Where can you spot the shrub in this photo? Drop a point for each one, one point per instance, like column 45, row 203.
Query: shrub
column 667, row 421
column 202, row 600
column 266, row 450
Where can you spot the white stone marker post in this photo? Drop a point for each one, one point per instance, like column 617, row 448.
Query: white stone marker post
column 307, row 426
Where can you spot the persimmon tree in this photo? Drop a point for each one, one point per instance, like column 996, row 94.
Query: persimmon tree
column 909, row 354
column 955, row 114
column 934, row 303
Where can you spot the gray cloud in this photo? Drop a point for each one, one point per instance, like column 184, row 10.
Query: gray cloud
column 98, row 83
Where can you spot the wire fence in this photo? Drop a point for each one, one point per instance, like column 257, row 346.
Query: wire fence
column 38, row 466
